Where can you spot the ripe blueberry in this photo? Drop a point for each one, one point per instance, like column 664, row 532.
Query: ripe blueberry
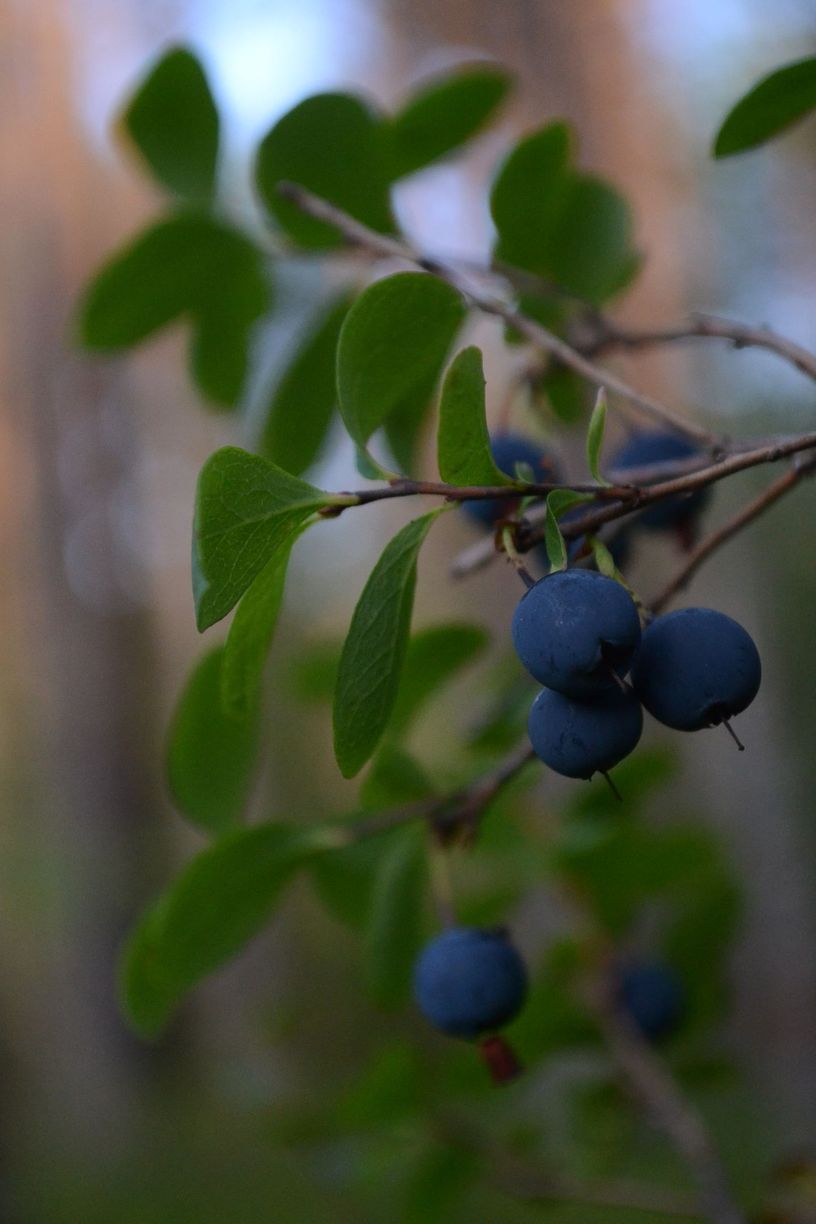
column 574, row 629
column 469, row 981
column 653, row 996
column 508, row 450
column 696, row 668
column 643, row 449
column 580, row 738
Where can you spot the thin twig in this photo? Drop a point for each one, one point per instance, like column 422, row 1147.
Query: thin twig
column 381, row 245
column 700, row 327
column 654, row 1087
column 710, row 543
column 531, row 1185
column 456, row 812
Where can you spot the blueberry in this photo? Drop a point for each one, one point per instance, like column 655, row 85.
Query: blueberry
column 573, row 628
column 643, row 449
column 696, row 668
column 470, row 981
column 653, row 996
column 508, row 450
column 580, row 738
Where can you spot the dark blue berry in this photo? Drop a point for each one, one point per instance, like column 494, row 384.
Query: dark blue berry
column 573, row 629
column 580, row 738
column 653, row 996
column 510, row 449
column 696, row 668
column 469, row 981
column 644, row 449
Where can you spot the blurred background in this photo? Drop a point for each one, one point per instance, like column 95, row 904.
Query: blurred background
column 98, row 462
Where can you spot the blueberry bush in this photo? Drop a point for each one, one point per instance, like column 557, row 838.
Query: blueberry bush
column 429, row 871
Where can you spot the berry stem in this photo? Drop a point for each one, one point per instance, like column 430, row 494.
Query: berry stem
column 611, row 785
column 733, row 734
column 514, row 557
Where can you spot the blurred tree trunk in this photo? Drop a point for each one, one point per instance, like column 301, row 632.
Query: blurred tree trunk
column 77, row 654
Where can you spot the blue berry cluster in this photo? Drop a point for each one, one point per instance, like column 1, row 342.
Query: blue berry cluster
column 578, row 633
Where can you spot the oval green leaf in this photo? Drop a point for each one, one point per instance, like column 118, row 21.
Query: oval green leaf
column 186, row 266
column 218, row 903
column 246, row 510
column 172, row 122
column 251, row 633
column 463, row 441
column 394, row 340
column 333, row 144
column 301, row 405
column 443, row 115
column 527, row 193
column 210, row 755
column 595, row 436
column 773, row 104
column 396, row 920
column 374, row 650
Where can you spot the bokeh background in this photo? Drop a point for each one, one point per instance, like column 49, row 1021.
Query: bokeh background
column 98, row 461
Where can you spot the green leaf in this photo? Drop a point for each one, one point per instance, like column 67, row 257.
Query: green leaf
column 313, row 673
column 776, row 102
column 527, row 194
column 434, row 656
column 572, row 229
column 395, row 778
column 595, row 436
column 246, row 510
column 374, row 651
column 463, row 441
column 590, row 252
column 210, row 756
column 404, row 426
column 251, row 633
column 443, row 115
column 396, row 921
column 394, row 340
column 619, row 866
column 334, row 145
column 172, row 122
column 558, row 503
column 301, row 405
column 604, row 560
column 346, row 879
column 218, row 903
column 186, row 266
